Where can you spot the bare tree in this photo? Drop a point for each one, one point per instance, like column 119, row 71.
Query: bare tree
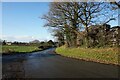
column 116, row 3
column 70, row 16
column 61, row 16
column 94, row 13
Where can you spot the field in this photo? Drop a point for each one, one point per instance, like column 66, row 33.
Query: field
column 12, row 48
column 102, row 55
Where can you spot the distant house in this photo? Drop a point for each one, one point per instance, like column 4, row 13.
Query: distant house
column 8, row 43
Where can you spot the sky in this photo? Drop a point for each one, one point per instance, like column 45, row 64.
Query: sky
column 21, row 21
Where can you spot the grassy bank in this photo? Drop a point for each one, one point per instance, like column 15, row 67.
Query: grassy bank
column 102, row 55
column 12, row 48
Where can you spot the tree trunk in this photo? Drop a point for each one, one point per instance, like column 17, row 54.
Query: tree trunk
column 87, row 37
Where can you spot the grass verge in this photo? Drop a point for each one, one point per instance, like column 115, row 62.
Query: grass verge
column 19, row 49
column 101, row 55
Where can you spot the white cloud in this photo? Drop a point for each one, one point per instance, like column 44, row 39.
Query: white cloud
column 17, row 38
column 23, row 38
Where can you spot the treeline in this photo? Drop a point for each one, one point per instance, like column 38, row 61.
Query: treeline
column 72, row 22
column 42, row 44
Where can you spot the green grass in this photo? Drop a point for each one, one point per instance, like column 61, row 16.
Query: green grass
column 102, row 55
column 11, row 48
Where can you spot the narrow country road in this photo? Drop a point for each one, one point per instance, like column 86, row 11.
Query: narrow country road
column 47, row 64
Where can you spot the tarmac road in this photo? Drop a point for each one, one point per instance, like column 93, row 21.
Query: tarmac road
column 47, row 64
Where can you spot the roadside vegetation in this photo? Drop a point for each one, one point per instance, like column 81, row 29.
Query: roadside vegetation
column 22, row 47
column 15, row 48
column 102, row 55
column 83, row 23
column 82, row 30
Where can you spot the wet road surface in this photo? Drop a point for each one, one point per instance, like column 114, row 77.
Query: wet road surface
column 47, row 64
